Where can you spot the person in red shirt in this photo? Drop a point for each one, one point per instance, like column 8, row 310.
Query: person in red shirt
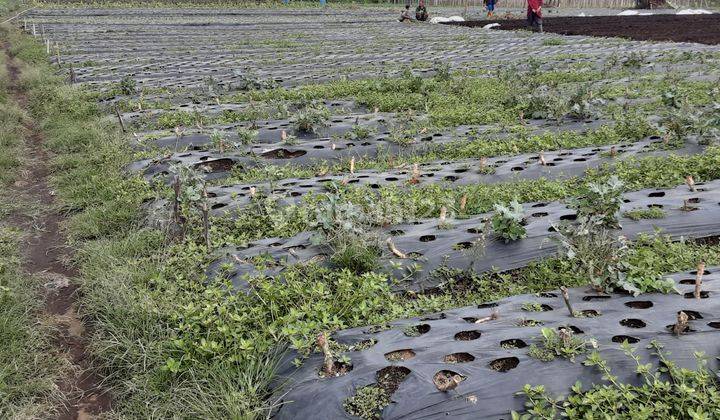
column 534, row 15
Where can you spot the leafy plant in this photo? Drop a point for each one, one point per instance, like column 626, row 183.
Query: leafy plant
column 605, row 258
column 507, row 221
column 367, row 403
column 359, row 132
column 311, row 118
column 345, row 228
column 246, row 136
column 670, row 392
column 561, row 343
column 127, row 85
column 601, row 202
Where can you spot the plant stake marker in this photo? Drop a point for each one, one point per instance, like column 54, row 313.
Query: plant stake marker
column 690, row 183
column 352, row 165
column 394, row 249
column 493, row 316
column 122, row 124
column 698, row 279
column 566, row 298
column 206, row 217
column 325, row 347
column 613, row 152
column 463, row 202
column 541, row 158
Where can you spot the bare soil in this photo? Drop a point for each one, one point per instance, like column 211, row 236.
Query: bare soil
column 46, row 256
column 703, row 29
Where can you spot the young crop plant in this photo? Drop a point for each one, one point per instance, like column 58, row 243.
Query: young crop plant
column 246, row 136
column 127, row 85
column 311, row 118
column 670, row 392
column 601, row 202
column 562, row 343
column 508, row 221
column 359, row 132
column 595, row 252
column 346, row 229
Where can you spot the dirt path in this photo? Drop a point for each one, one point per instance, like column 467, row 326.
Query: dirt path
column 46, row 256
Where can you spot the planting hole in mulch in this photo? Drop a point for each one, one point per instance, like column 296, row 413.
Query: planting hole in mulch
column 639, row 304
column 458, row 358
column 468, row 335
column 505, row 364
column 339, row 369
column 416, row 330
column 399, row 355
column 446, row 380
column 633, row 323
column 513, row 343
column 389, row 378
column 714, row 324
column 215, row 165
column 283, row 154
column 703, row 295
column 572, row 328
column 704, row 29
column 692, row 315
column 623, row 338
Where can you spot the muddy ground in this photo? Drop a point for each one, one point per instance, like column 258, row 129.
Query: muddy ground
column 704, row 29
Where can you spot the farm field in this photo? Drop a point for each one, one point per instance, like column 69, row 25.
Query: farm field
column 324, row 213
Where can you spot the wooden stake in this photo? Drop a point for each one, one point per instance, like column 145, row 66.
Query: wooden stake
column 394, row 249
column 690, row 183
column 176, row 204
column 463, row 202
column 566, row 298
column 120, row 120
column 443, row 215
column 415, row 179
column 698, row 279
column 352, row 165
column 483, row 164
column 541, row 158
column 493, row 316
column 57, row 55
column 329, row 363
column 252, row 191
column 73, row 76
column 206, row 218
column 613, row 151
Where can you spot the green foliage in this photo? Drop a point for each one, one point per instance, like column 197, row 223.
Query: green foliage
column 127, row 85
column 532, row 307
column 605, row 259
column 670, row 392
column 346, row 229
column 562, row 343
column 246, row 136
column 602, row 202
column 507, row 221
column 367, row 403
column 311, row 118
column 645, row 213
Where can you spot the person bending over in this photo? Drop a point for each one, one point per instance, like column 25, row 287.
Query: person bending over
column 534, row 15
column 405, row 16
column 421, row 13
